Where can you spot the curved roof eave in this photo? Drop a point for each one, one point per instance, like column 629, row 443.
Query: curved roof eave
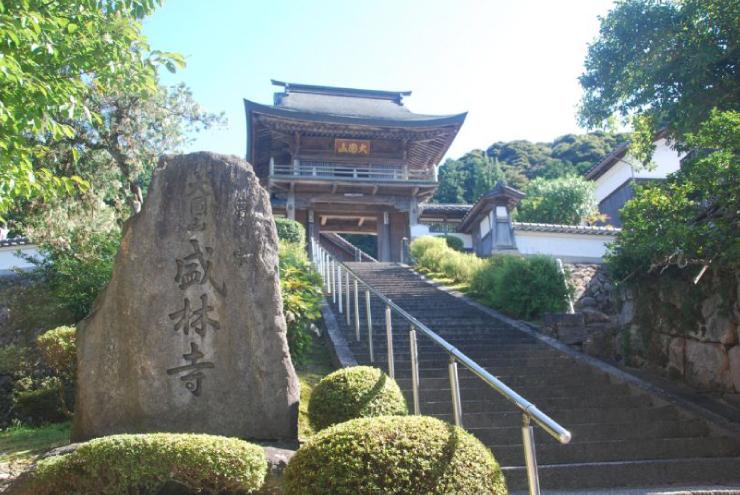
column 419, row 121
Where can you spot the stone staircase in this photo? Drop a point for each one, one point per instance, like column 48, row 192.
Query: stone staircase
column 622, row 435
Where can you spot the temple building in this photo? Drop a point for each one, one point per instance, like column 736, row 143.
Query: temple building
column 343, row 160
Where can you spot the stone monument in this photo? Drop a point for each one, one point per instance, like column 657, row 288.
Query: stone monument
column 189, row 335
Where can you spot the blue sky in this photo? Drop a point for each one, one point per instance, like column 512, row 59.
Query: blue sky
column 512, row 64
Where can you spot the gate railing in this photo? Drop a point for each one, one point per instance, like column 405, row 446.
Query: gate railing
column 342, row 284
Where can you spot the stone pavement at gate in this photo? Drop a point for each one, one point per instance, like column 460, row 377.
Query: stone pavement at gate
column 189, row 335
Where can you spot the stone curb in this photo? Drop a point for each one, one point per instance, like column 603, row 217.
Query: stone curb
column 341, row 355
column 695, row 409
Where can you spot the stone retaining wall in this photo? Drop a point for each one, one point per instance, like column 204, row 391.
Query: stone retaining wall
column 593, row 287
column 689, row 332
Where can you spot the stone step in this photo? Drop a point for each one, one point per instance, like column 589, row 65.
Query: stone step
column 570, row 417
column 622, row 474
column 597, row 432
column 631, row 449
column 531, row 393
column 498, row 403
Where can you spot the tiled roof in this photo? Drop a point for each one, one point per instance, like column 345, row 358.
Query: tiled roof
column 564, row 229
column 445, row 208
column 17, row 241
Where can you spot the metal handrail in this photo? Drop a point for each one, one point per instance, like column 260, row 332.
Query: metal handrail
column 326, row 263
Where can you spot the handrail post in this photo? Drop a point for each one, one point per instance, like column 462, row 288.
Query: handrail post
column 389, row 339
column 357, row 312
column 339, row 289
column 335, row 270
column 414, row 369
column 332, row 281
column 349, row 298
column 455, row 389
column 530, row 457
column 369, row 325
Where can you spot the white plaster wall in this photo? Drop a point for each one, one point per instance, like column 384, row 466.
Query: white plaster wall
column 617, row 175
column 665, row 160
column 569, row 247
column 485, row 226
column 9, row 260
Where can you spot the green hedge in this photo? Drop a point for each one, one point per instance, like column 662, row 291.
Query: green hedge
column 434, row 254
column 518, row 286
column 521, row 287
column 290, row 230
column 356, row 392
column 408, row 455
column 125, row 464
column 454, row 242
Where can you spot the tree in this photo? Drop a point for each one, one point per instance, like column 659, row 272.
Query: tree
column 52, row 55
column 694, row 216
column 567, row 200
column 467, row 179
column 665, row 63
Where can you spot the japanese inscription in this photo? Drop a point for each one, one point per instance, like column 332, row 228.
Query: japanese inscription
column 194, row 375
column 198, row 191
column 194, row 271
column 196, row 268
column 352, row 146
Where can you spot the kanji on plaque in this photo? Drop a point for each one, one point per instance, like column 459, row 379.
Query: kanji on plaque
column 196, row 269
column 198, row 319
column 193, row 375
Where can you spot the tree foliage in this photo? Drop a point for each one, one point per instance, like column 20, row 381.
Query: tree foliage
column 567, row 200
column 694, row 216
column 517, row 162
column 665, row 63
column 52, row 55
column 467, row 179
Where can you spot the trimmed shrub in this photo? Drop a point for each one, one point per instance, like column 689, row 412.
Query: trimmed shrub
column 58, row 349
column 421, row 244
column 460, row 266
column 124, row 464
column 454, row 242
column 522, row 287
column 300, row 289
column 435, row 254
column 40, row 406
column 356, row 392
column 413, row 455
column 290, row 230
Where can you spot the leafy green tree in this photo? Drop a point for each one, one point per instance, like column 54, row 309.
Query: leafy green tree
column 567, row 200
column 693, row 216
column 467, row 179
column 664, row 63
column 52, row 54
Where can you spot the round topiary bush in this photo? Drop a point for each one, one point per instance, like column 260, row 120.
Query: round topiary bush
column 394, row 455
column 356, row 392
column 124, row 464
column 290, row 230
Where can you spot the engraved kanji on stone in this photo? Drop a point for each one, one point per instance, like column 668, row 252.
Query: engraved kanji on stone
column 194, row 376
column 195, row 268
column 198, row 320
column 198, row 192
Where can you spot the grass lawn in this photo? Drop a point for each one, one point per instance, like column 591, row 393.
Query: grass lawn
column 316, row 367
column 20, row 446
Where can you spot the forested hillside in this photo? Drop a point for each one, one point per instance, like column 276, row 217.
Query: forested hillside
column 517, row 162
